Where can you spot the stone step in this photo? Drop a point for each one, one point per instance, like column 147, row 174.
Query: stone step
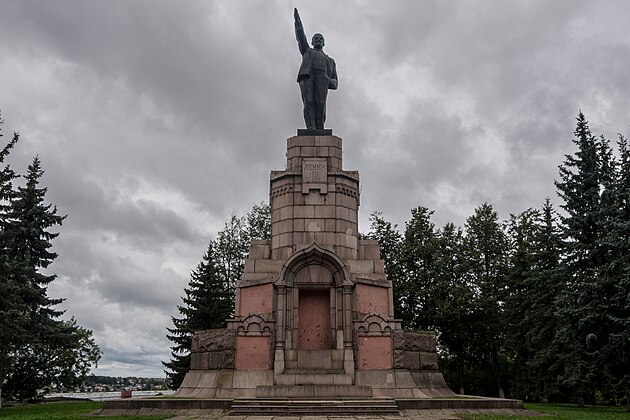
column 311, row 371
column 256, row 406
column 313, row 391
column 313, row 377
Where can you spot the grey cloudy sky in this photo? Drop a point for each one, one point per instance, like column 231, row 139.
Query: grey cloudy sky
column 156, row 120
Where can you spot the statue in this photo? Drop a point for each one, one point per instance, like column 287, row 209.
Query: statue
column 317, row 74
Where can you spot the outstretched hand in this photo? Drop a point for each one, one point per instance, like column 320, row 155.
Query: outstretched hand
column 296, row 16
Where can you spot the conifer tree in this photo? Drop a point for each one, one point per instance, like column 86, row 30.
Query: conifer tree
column 523, row 230
column 546, row 285
column 486, row 254
column 585, row 182
column 615, row 275
column 417, row 253
column 207, row 304
column 11, row 310
column 210, row 294
column 454, row 301
column 48, row 351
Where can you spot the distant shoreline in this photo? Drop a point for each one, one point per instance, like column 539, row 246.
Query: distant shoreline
column 105, row 395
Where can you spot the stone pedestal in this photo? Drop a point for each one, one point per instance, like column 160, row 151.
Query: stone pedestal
column 314, row 309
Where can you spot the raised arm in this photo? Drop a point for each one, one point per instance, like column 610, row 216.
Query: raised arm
column 299, row 32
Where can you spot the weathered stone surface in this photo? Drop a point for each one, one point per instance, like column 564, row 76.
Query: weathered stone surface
column 414, row 341
column 215, row 359
column 404, row 359
column 199, row 361
column 228, row 359
column 428, row 361
column 399, row 359
column 213, row 340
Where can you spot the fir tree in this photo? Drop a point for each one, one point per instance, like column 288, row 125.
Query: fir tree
column 523, row 230
column 615, row 275
column 417, row 255
column 210, row 294
column 454, row 302
column 585, row 181
column 546, row 286
column 486, row 254
column 11, row 307
column 207, row 304
column 48, row 351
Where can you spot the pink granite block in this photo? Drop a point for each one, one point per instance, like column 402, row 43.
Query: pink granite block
column 372, row 299
column 253, row 352
column 374, row 353
column 256, row 299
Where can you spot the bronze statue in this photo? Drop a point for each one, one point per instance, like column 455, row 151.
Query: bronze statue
column 317, row 74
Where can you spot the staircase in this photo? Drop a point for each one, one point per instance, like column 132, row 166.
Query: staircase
column 314, row 407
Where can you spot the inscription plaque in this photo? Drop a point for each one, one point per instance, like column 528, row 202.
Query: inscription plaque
column 314, row 170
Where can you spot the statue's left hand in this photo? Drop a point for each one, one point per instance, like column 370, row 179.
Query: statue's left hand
column 296, row 16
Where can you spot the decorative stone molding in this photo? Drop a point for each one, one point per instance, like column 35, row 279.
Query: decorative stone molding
column 253, row 325
column 374, row 324
column 347, row 191
column 281, row 191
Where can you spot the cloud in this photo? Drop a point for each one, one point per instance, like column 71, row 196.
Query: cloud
column 155, row 121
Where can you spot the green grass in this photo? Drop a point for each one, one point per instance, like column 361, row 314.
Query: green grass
column 62, row 411
column 563, row 412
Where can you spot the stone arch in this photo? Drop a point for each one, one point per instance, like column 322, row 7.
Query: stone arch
column 314, row 258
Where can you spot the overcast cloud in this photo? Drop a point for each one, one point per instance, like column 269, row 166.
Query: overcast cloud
column 156, row 120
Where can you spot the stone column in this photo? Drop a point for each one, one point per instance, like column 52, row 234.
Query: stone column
column 278, row 360
column 348, row 352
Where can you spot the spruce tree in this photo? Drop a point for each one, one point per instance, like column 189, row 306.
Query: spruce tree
column 486, row 255
column 546, row 286
column 207, row 304
column 11, row 308
column 454, row 304
column 615, row 274
column 523, row 230
column 210, row 294
column 417, row 254
column 48, row 351
column 585, row 182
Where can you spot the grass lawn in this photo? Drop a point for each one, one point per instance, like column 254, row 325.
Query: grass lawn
column 62, row 411
column 564, row 412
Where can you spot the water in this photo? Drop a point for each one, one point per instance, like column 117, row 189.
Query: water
column 109, row 395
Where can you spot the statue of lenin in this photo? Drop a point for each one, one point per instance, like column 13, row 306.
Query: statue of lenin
column 317, row 74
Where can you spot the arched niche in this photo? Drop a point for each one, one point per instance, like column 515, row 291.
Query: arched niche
column 313, row 301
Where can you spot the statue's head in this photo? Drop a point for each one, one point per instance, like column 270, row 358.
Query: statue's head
column 318, row 41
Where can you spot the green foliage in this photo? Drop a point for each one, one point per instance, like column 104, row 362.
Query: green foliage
column 37, row 350
column 207, row 304
column 538, row 305
column 588, row 187
column 209, row 299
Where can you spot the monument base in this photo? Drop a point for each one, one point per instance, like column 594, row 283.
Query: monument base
column 314, row 132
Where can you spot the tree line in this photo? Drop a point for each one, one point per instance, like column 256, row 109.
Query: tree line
column 535, row 307
column 38, row 351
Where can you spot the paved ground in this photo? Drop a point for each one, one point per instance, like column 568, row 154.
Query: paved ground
column 443, row 414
